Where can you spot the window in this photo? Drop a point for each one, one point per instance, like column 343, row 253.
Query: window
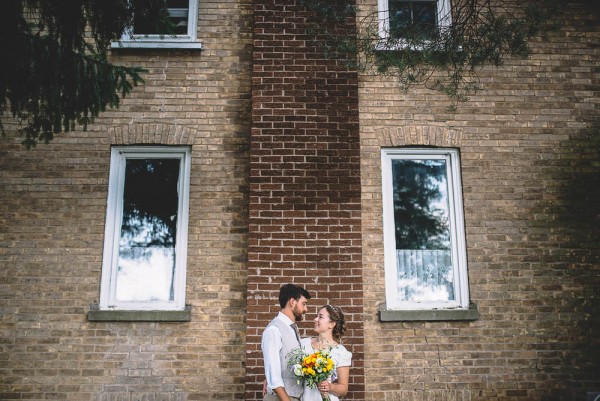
column 424, row 241
column 181, row 32
column 414, row 19
column 145, row 243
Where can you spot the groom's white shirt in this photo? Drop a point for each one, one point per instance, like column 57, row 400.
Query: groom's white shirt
column 271, row 344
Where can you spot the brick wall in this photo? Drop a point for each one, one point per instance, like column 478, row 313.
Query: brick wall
column 529, row 146
column 298, row 173
column 304, row 183
column 52, row 211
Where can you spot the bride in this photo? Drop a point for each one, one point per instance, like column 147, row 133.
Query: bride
column 329, row 327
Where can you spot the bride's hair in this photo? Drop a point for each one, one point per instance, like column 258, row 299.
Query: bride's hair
column 337, row 316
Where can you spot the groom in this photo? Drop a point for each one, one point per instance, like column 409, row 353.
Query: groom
column 279, row 338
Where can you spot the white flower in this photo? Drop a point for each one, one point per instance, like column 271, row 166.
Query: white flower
column 297, row 369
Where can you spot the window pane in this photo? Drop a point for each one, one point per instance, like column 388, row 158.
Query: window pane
column 178, row 3
column 179, row 19
column 178, row 13
column 400, row 17
column 163, row 18
column 146, row 261
column 410, row 19
column 424, row 14
column 422, row 230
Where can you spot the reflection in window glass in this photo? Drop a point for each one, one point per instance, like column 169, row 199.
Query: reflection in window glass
column 421, row 212
column 163, row 18
column 412, row 18
column 421, row 204
column 146, row 260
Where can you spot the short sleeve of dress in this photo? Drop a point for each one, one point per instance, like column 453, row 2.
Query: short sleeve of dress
column 343, row 356
column 306, row 345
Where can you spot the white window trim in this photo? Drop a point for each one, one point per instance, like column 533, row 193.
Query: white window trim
column 444, row 20
column 459, row 253
column 188, row 41
column 114, row 213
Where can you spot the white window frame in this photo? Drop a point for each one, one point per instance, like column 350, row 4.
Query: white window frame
column 444, row 16
column 114, row 215
column 188, row 41
column 457, row 230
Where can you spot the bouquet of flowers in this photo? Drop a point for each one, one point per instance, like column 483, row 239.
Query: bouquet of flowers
column 312, row 369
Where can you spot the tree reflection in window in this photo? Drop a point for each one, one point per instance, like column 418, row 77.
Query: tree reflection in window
column 421, row 204
column 413, row 19
column 422, row 230
column 158, row 18
column 148, row 231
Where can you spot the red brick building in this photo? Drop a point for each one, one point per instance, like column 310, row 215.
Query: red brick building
column 287, row 168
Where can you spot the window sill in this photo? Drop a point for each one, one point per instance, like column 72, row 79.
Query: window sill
column 97, row 315
column 387, row 44
column 155, row 44
column 429, row 315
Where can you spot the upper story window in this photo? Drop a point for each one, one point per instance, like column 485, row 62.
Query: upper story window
column 181, row 31
column 414, row 19
column 424, row 239
column 145, row 244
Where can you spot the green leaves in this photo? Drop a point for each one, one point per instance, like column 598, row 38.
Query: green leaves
column 445, row 58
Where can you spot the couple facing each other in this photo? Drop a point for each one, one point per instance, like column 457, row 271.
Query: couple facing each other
column 281, row 337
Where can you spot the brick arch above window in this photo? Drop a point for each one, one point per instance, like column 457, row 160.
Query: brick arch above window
column 151, row 133
column 421, row 135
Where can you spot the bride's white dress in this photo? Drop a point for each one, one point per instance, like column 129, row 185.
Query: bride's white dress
column 340, row 355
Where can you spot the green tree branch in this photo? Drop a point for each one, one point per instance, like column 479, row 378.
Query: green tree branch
column 444, row 58
column 55, row 74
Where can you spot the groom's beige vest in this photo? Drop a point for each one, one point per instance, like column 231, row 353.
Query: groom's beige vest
column 289, row 342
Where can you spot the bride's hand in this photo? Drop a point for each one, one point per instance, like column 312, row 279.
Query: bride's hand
column 324, row 387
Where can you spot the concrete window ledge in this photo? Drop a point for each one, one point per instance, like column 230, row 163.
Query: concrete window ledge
column 430, row 315
column 97, row 315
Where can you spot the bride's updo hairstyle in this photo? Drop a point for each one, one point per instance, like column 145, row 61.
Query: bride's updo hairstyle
column 337, row 316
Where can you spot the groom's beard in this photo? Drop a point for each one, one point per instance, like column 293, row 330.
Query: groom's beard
column 298, row 314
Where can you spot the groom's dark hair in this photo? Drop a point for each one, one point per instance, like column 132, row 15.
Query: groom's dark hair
column 289, row 291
